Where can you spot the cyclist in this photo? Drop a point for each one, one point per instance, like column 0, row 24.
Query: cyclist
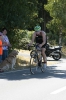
column 40, row 37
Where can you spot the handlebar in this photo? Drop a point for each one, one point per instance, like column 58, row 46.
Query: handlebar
column 36, row 45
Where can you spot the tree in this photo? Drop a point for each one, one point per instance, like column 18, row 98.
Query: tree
column 57, row 25
column 17, row 14
column 43, row 14
column 57, row 11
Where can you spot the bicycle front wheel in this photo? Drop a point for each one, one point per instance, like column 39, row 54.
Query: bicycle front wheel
column 33, row 65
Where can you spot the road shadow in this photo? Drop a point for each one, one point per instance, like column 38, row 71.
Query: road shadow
column 50, row 72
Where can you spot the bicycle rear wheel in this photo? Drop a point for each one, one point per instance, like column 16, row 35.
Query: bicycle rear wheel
column 33, row 65
column 42, row 67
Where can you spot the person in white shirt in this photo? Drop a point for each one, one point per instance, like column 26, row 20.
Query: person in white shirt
column 6, row 40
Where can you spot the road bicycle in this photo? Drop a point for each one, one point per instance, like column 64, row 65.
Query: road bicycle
column 36, row 59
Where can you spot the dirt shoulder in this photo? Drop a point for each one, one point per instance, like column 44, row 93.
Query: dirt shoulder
column 49, row 62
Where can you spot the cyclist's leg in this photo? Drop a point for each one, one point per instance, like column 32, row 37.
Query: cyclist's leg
column 44, row 57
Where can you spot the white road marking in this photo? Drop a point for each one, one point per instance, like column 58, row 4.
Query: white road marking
column 59, row 90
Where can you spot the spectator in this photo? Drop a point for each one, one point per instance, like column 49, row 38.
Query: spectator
column 1, row 50
column 7, row 44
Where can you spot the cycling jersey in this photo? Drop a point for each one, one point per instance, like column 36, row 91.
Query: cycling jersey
column 39, row 39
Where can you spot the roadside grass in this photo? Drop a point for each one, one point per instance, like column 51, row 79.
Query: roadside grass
column 24, row 62
column 64, row 51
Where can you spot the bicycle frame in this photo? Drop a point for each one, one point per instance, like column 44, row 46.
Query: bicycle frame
column 36, row 58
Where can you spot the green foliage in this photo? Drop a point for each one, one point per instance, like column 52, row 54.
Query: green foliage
column 19, row 38
column 23, row 43
column 30, row 34
column 57, row 11
column 57, row 24
column 53, row 38
column 15, row 15
column 16, row 36
column 25, row 37
column 64, row 40
column 18, row 14
column 54, row 25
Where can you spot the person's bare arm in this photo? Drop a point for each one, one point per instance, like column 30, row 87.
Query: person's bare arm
column 4, row 44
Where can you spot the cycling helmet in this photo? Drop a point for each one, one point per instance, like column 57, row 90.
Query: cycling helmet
column 37, row 28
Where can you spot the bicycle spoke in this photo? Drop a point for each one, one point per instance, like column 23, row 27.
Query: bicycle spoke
column 33, row 65
column 36, row 61
column 42, row 67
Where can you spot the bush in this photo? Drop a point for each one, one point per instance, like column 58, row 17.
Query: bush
column 19, row 38
column 53, row 38
column 30, row 34
column 23, row 43
column 64, row 40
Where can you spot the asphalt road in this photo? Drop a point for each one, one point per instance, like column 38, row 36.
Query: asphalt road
column 21, row 85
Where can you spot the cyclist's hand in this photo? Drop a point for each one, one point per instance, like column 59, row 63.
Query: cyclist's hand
column 40, row 45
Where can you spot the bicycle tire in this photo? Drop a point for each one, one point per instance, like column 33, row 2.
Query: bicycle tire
column 33, row 53
column 42, row 67
column 33, row 65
